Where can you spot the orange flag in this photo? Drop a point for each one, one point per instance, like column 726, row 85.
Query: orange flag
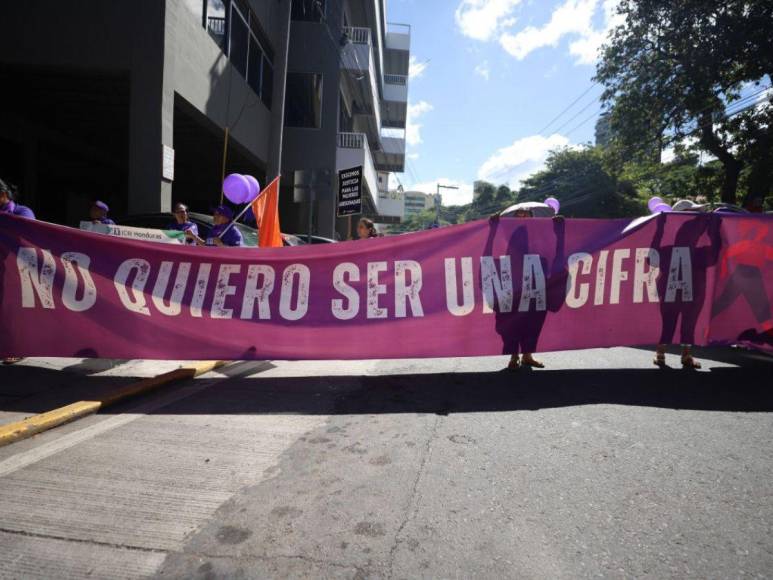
column 266, row 210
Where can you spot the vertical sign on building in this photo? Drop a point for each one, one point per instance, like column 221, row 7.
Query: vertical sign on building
column 350, row 191
column 167, row 163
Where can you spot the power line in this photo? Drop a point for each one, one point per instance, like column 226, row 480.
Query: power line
column 728, row 112
column 569, row 106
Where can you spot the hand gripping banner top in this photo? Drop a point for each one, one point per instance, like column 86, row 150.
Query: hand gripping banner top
column 484, row 288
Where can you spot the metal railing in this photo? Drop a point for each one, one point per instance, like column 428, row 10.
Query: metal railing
column 352, row 140
column 357, row 34
column 216, row 25
column 391, row 79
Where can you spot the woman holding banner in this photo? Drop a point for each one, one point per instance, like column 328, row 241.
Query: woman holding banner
column 520, row 332
column 9, row 206
column 182, row 223
column 223, row 233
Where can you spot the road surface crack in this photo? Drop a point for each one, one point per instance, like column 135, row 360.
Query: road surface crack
column 267, row 558
column 413, row 501
column 83, row 541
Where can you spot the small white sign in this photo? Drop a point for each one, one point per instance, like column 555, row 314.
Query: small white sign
column 146, row 234
column 168, row 163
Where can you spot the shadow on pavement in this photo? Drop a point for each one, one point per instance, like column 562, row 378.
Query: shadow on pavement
column 743, row 388
column 721, row 389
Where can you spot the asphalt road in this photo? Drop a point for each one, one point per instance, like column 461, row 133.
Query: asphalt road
column 599, row 466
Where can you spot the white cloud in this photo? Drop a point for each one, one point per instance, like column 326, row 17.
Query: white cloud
column 416, row 68
column 516, row 162
column 483, row 70
column 482, row 19
column 571, row 17
column 460, row 196
column 413, row 127
column 487, row 20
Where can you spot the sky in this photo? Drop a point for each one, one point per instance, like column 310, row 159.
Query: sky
column 487, row 78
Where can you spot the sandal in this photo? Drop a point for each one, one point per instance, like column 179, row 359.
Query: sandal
column 12, row 360
column 514, row 364
column 660, row 359
column 688, row 362
column 530, row 362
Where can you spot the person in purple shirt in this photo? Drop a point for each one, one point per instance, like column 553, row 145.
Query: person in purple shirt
column 8, row 205
column 222, row 218
column 182, row 223
column 98, row 213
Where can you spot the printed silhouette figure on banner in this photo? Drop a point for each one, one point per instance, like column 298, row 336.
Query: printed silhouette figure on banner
column 681, row 307
column 741, row 269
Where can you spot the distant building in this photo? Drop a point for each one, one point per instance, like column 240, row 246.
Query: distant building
column 391, row 204
column 416, row 202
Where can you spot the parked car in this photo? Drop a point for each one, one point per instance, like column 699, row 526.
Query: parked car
column 315, row 239
column 159, row 221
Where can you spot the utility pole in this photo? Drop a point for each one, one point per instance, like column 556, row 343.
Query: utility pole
column 439, row 200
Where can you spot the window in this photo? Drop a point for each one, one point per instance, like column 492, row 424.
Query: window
column 304, row 100
column 267, row 87
column 239, row 41
column 254, row 67
column 236, row 29
column 309, row 10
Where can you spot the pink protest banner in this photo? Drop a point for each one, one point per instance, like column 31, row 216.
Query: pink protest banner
column 483, row 288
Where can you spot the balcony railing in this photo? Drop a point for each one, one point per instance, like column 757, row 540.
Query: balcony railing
column 396, row 79
column 216, row 25
column 216, row 29
column 358, row 34
column 352, row 140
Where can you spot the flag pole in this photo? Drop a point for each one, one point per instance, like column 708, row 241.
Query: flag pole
column 225, row 156
column 240, row 214
column 248, row 206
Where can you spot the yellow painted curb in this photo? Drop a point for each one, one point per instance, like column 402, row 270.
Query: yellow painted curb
column 30, row 426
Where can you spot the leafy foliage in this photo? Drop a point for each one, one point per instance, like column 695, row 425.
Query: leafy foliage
column 673, row 71
column 578, row 179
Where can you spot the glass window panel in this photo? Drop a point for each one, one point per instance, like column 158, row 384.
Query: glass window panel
column 303, row 107
column 267, row 88
column 253, row 71
column 239, row 36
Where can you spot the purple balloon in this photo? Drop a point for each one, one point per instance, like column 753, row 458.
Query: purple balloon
column 254, row 188
column 661, row 208
column 236, row 188
column 653, row 203
column 554, row 203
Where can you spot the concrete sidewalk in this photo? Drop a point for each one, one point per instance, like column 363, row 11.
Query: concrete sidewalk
column 37, row 385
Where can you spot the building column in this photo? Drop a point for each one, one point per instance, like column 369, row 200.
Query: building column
column 151, row 114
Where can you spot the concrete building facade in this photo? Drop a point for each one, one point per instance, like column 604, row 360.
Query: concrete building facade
column 347, row 98
column 129, row 101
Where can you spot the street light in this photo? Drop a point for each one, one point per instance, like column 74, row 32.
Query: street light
column 438, row 201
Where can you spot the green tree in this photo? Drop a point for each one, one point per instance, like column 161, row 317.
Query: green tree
column 484, row 192
column 672, row 70
column 579, row 180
